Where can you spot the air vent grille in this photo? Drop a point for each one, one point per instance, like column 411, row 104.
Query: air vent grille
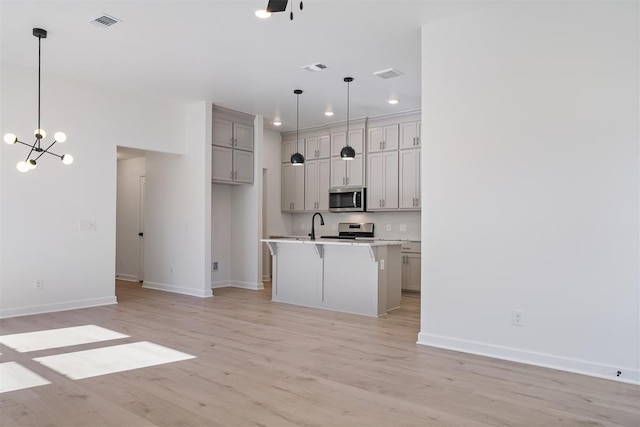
column 388, row 73
column 104, row 21
column 315, row 67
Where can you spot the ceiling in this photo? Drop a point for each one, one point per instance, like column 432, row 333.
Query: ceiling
column 218, row 50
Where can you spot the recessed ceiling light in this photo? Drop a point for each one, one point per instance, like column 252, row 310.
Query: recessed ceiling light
column 328, row 113
column 262, row 14
column 393, row 101
column 277, row 123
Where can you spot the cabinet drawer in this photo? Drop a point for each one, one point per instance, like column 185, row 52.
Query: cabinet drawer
column 411, row 247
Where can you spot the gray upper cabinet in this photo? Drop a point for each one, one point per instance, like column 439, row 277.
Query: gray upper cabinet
column 232, row 140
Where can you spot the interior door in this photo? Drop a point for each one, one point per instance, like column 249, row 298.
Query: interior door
column 142, row 185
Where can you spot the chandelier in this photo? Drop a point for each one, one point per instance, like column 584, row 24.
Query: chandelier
column 36, row 151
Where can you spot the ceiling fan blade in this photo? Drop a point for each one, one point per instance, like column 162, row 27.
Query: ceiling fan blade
column 277, row 6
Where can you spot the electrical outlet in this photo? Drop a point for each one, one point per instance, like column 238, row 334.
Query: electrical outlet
column 517, row 317
column 403, row 227
column 388, row 227
column 214, row 266
column 38, row 284
column 87, row 226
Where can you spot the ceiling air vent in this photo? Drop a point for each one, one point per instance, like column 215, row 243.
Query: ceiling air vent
column 315, row 67
column 388, row 73
column 104, row 21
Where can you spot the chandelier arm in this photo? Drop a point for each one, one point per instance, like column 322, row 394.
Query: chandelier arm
column 46, row 150
column 24, row 143
column 33, row 147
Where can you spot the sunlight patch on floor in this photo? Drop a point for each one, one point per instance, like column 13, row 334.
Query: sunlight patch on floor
column 14, row 376
column 108, row 360
column 55, row 338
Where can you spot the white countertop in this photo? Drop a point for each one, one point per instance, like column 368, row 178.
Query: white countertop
column 342, row 242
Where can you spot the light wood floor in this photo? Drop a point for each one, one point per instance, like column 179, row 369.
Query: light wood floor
column 266, row 364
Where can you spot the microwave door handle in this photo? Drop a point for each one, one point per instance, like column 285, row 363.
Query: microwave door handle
column 355, row 199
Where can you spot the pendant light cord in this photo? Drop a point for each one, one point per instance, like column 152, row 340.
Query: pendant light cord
column 39, row 61
column 347, row 138
column 297, row 122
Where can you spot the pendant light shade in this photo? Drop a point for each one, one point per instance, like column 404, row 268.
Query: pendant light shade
column 297, row 159
column 36, row 150
column 347, row 152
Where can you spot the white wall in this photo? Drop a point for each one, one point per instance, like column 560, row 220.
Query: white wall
column 41, row 210
column 128, row 217
column 178, row 211
column 221, row 223
column 530, row 123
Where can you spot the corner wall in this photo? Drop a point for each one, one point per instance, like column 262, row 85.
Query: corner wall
column 531, row 183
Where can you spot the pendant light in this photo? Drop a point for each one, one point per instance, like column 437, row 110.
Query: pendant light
column 297, row 159
column 36, row 149
column 347, row 152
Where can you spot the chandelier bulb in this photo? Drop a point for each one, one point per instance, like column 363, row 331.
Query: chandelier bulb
column 10, row 138
column 22, row 166
column 60, row 137
column 40, row 133
column 67, row 159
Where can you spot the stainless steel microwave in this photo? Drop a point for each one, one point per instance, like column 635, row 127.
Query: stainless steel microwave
column 348, row 199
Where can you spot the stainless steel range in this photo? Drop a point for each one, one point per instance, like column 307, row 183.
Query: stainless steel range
column 353, row 230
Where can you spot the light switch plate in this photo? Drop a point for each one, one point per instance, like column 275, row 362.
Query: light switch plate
column 403, row 227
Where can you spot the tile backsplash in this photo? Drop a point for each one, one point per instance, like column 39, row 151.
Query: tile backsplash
column 388, row 225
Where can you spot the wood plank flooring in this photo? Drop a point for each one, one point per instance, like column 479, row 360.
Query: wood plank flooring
column 260, row 363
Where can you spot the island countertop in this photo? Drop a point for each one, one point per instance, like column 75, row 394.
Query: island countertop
column 320, row 241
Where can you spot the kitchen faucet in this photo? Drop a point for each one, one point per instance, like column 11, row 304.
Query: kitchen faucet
column 313, row 223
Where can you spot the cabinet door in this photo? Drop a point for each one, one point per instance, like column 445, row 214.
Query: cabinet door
column 413, row 272
column 409, row 197
column 221, row 163
column 355, row 171
column 288, row 148
column 390, row 183
column 324, row 174
column 374, row 142
column 298, row 187
column 316, row 192
column 337, row 142
column 287, row 187
column 382, row 183
column 222, row 133
column 383, row 138
column 243, row 136
column 311, row 148
column 324, row 146
column 338, row 172
column 243, row 166
column 311, row 187
column 409, row 135
column 375, row 181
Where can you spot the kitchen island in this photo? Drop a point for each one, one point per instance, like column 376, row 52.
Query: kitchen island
column 352, row 276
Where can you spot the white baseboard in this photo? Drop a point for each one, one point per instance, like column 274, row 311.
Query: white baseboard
column 248, row 285
column 241, row 285
column 629, row 375
column 215, row 285
column 204, row 293
column 59, row 306
column 127, row 277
